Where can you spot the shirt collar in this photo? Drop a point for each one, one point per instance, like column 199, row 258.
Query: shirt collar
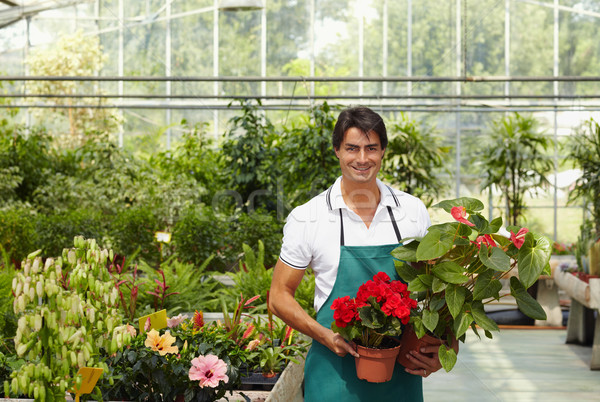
column 336, row 201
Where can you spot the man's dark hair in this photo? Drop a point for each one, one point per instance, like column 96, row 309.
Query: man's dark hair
column 362, row 118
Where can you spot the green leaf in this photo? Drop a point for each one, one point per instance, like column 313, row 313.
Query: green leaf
column 462, row 322
column 470, row 204
column 406, row 252
column 420, row 283
column 481, row 224
column 481, row 318
column 447, row 357
column 372, row 317
column 418, row 326
column 498, row 260
column 495, row 225
column 527, row 304
column 438, row 285
column 455, row 298
column 450, row 272
column 486, row 286
column 434, row 245
column 405, row 271
column 430, row 319
column 533, row 257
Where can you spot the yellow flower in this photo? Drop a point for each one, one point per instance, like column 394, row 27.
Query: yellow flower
column 161, row 344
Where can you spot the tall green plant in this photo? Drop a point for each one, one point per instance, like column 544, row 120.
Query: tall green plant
column 584, row 151
column 68, row 311
column 308, row 163
column 516, row 161
column 414, row 158
column 249, row 155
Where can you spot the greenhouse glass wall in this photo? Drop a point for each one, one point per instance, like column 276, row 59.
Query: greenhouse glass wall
column 454, row 66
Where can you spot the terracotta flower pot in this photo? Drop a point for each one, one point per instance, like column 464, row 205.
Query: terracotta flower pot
column 375, row 365
column 410, row 342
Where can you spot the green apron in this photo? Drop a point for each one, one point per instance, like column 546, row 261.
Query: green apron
column 329, row 377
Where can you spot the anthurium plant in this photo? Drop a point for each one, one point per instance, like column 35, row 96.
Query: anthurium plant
column 456, row 268
column 379, row 309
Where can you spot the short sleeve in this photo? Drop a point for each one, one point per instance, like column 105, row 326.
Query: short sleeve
column 295, row 250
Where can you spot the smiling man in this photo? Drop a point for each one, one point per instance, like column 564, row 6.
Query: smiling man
column 346, row 234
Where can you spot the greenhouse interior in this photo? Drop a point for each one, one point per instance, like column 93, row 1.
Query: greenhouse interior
column 160, row 159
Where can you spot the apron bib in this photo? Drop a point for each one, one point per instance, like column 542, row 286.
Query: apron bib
column 329, row 377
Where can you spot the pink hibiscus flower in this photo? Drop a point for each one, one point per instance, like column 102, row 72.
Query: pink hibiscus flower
column 460, row 213
column 209, row 370
column 519, row 238
column 175, row 321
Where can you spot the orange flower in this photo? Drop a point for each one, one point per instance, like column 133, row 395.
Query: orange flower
column 161, row 344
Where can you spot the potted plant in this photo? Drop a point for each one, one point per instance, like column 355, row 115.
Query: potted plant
column 515, row 161
column 455, row 269
column 584, row 152
column 370, row 319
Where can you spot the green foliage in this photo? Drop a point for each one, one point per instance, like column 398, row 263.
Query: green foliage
column 132, row 231
column 584, row 152
column 195, row 156
column 258, row 226
column 56, row 232
column 195, row 287
column 8, row 321
column 139, row 373
column 201, row 232
column 414, row 159
column 252, row 278
column 307, row 160
column 249, row 157
column 26, row 160
column 198, row 234
column 457, row 267
column 515, row 160
column 68, row 312
column 18, row 232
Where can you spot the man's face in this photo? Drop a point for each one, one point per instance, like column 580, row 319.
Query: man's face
column 360, row 156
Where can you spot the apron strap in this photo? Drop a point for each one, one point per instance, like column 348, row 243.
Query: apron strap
column 396, row 230
column 398, row 235
column 341, row 228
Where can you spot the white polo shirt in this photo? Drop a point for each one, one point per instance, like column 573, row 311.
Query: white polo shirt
column 311, row 235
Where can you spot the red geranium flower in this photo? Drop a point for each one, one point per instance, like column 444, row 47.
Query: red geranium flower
column 345, row 311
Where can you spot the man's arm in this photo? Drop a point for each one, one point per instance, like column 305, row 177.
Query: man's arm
column 283, row 304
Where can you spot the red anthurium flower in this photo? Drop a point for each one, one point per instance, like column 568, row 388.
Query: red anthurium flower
column 460, row 214
column 487, row 240
column 519, row 238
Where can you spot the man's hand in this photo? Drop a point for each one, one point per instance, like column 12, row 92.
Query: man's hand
column 427, row 359
column 340, row 347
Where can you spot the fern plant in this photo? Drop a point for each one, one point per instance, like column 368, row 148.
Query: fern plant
column 195, row 287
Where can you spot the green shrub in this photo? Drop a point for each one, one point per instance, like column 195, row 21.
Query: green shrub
column 18, row 236
column 133, row 228
column 57, row 231
column 198, row 234
column 259, row 226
